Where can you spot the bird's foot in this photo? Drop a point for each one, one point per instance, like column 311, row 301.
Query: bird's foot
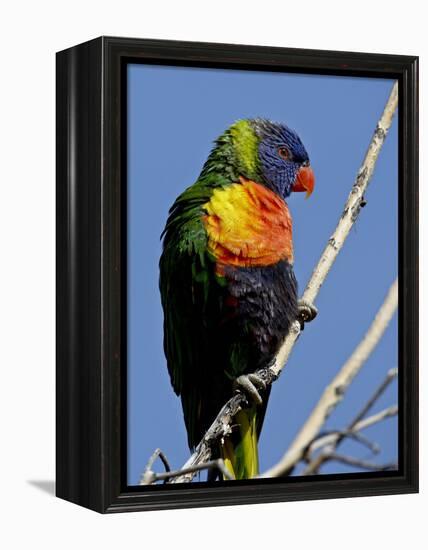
column 249, row 384
column 307, row 312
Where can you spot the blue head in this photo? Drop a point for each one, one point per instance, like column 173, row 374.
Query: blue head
column 283, row 159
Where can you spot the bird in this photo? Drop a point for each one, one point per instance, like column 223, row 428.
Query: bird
column 226, row 280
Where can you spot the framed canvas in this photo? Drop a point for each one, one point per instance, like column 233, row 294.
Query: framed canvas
column 220, row 339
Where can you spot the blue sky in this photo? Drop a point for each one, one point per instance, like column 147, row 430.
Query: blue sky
column 174, row 114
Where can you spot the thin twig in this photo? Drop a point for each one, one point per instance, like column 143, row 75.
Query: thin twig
column 378, row 417
column 148, row 475
column 217, row 464
column 327, row 438
column 365, row 464
column 220, row 428
column 324, row 439
column 391, row 375
column 158, row 453
column 335, row 441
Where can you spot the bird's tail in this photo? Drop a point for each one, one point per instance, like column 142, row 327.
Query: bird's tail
column 239, row 451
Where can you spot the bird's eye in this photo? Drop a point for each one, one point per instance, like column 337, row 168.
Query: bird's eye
column 284, row 153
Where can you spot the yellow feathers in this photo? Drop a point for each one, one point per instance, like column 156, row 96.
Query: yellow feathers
column 241, row 458
column 246, row 145
column 248, row 225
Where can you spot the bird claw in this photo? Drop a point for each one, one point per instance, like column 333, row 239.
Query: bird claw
column 307, row 312
column 249, row 384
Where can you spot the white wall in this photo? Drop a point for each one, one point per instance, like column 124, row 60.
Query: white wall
column 31, row 32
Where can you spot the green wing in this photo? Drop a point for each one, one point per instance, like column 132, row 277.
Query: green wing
column 205, row 351
column 186, row 273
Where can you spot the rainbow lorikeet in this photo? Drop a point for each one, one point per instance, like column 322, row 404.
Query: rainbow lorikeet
column 227, row 285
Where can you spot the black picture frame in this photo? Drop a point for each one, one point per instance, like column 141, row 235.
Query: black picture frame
column 91, row 273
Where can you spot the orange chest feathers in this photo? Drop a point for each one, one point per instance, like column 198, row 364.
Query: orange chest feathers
column 248, row 226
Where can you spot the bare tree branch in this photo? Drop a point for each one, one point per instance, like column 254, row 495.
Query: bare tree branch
column 220, row 428
column 150, row 477
column 350, row 213
column 376, row 418
column 325, row 439
column 391, row 375
column 330, row 447
column 359, row 463
column 335, row 391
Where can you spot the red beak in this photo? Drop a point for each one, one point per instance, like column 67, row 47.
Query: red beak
column 305, row 180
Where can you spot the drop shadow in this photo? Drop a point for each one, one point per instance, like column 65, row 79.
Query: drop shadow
column 47, row 486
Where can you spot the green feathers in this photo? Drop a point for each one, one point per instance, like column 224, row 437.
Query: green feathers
column 235, row 154
column 246, row 144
